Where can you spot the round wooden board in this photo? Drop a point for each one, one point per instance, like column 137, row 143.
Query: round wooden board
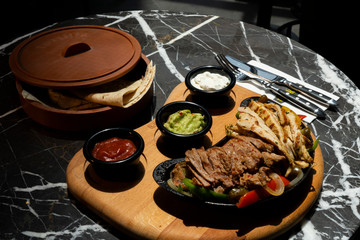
column 136, row 205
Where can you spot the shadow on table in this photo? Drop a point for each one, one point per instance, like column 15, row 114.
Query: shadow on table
column 216, row 106
column 176, row 149
column 119, row 182
column 139, row 120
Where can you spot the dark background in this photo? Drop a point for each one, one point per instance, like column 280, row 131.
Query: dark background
column 327, row 27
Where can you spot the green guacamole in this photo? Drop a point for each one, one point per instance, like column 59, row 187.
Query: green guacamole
column 185, row 122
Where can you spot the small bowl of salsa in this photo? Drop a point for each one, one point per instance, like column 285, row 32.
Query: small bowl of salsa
column 210, row 81
column 183, row 120
column 113, row 149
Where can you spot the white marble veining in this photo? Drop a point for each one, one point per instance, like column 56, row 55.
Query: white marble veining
column 34, row 200
column 247, row 44
column 73, row 233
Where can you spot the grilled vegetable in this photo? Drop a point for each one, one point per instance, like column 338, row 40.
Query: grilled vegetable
column 258, row 194
column 204, row 193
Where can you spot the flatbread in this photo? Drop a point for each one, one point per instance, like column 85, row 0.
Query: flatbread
column 146, row 82
column 65, row 100
column 120, row 93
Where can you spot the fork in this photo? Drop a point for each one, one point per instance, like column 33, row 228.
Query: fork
column 290, row 95
column 281, row 81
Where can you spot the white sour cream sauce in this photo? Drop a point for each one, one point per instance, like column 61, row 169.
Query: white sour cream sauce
column 210, row 81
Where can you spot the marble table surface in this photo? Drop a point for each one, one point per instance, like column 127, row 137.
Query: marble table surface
column 34, row 201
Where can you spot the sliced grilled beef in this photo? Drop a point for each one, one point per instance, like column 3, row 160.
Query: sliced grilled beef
column 241, row 162
column 273, row 160
column 259, row 179
column 222, row 166
column 193, row 158
column 178, row 174
column 259, row 144
column 246, row 152
column 198, row 179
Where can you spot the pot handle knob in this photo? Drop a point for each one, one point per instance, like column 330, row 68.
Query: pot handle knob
column 76, row 49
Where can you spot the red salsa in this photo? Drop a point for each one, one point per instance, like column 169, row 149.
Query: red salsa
column 113, row 149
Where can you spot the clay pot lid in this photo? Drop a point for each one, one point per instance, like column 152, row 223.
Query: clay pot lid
column 75, row 56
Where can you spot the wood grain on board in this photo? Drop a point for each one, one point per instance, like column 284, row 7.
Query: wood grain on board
column 136, row 205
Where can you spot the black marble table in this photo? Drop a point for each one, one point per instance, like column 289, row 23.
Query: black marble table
column 34, row 201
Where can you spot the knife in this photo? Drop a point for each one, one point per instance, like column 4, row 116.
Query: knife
column 312, row 94
column 290, row 95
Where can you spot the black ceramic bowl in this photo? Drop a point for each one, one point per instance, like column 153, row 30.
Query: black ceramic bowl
column 113, row 166
column 164, row 113
column 210, row 93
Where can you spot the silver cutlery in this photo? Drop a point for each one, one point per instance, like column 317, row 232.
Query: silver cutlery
column 312, row 94
column 292, row 96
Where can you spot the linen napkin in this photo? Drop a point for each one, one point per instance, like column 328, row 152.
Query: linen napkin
column 256, row 87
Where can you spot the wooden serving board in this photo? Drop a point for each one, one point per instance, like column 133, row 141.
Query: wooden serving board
column 139, row 207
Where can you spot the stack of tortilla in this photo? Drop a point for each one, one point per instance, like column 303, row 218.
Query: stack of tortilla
column 120, row 93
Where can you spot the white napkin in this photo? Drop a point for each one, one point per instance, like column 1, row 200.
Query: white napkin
column 256, row 87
